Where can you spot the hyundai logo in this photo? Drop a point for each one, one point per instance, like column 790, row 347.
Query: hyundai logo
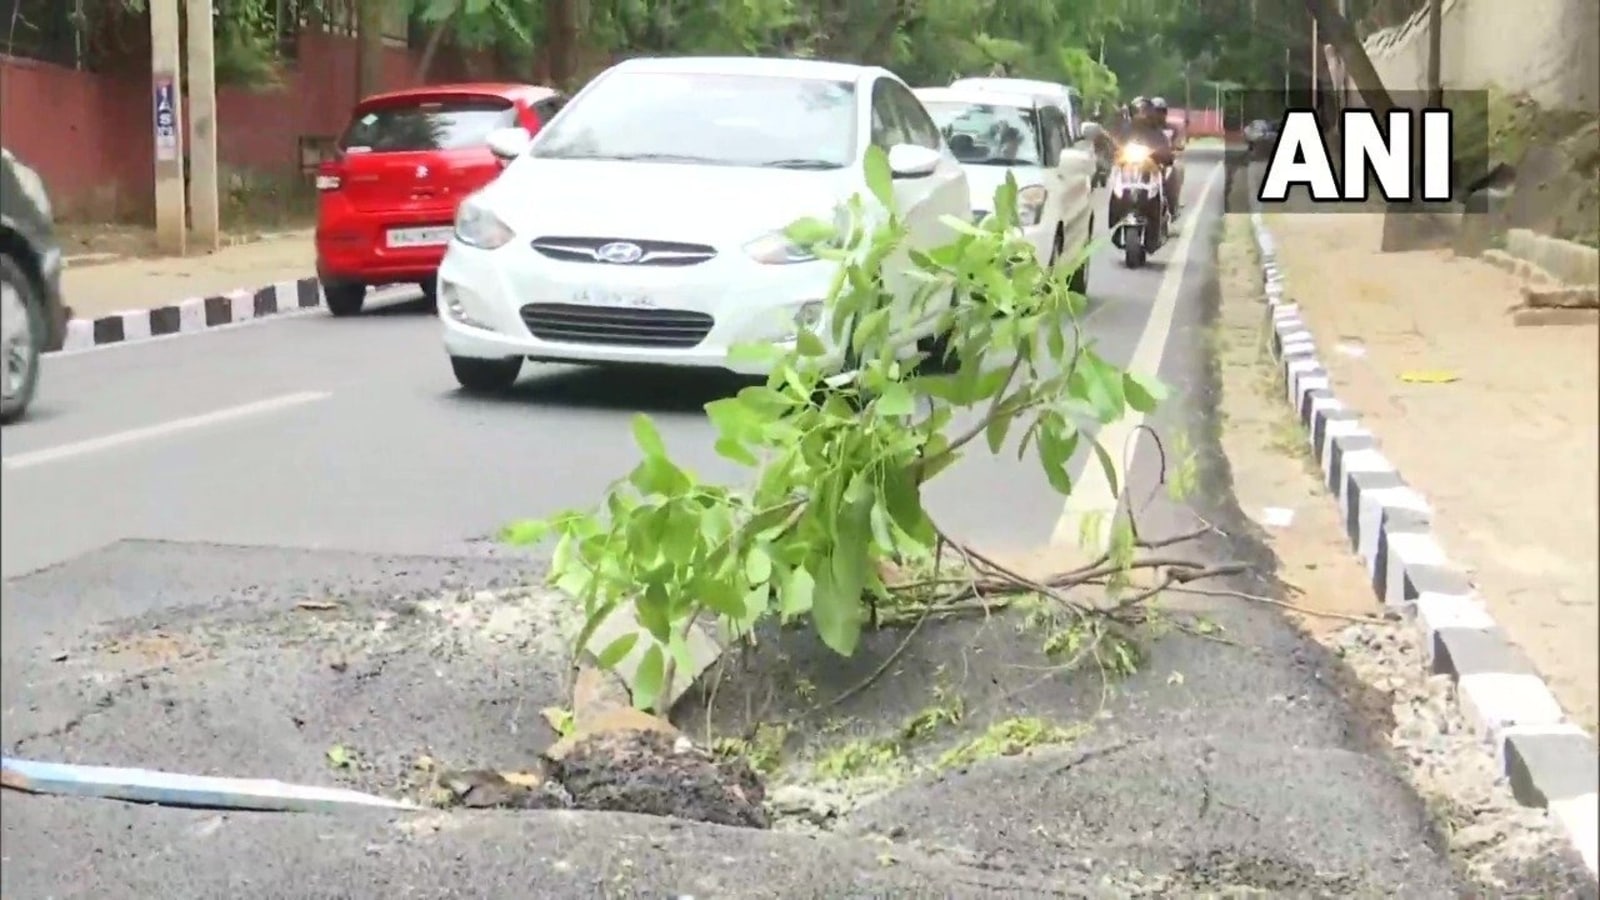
column 619, row 252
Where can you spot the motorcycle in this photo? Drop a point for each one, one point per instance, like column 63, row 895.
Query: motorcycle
column 1138, row 204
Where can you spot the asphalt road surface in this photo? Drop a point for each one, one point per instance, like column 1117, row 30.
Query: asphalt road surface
column 197, row 488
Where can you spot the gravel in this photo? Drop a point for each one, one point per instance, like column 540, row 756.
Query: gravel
column 1489, row 833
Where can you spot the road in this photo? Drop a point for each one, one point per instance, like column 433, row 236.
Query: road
column 251, row 468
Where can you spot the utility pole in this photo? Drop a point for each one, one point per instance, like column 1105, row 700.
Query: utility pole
column 1288, row 64
column 203, row 128
column 167, row 110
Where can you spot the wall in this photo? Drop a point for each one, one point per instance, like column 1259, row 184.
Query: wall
column 89, row 135
column 1549, row 49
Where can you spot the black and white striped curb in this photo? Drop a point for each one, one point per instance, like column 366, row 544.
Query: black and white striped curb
column 194, row 314
column 1549, row 761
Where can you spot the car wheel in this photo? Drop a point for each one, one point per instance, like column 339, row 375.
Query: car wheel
column 22, row 334
column 485, row 376
column 344, row 299
column 430, row 291
column 1079, row 283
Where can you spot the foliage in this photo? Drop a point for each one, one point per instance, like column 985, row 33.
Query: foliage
column 838, row 466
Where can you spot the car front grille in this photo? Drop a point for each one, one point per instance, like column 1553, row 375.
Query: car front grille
column 616, row 326
column 652, row 253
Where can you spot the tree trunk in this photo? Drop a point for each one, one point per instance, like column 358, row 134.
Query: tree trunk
column 561, row 27
column 1336, row 30
column 431, row 49
column 1435, row 38
column 369, row 46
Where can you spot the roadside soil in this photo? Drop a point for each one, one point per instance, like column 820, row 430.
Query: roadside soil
column 1506, row 452
column 99, row 288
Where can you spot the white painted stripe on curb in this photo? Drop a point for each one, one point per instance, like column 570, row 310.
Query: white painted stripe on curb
column 163, row 429
column 1580, row 819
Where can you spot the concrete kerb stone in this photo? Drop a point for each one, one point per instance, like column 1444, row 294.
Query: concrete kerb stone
column 194, row 314
column 1547, row 760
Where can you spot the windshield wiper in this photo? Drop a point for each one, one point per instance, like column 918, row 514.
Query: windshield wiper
column 801, row 164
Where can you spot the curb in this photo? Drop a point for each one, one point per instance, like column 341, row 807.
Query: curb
column 1548, row 761
column 194, row 314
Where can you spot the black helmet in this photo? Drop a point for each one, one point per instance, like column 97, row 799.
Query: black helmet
column 1139, row 105
column 1159, row 103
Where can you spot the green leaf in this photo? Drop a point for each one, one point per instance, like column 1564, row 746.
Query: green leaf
column 836, row 607
column 647, row 680
column 895, row 401
column 808, row 231
column 758, row 565
column 646, row 436
column 1143, row 394
column 796, row 592
column 525, row 533
column 880, row 178
column 995, row 431
column 808, row 345
column 617, row 650
column 1108, row 465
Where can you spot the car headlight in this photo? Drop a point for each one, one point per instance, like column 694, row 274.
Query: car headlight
column 776, row 249
column 477, row 227
column 1133, row 154
column 1030, row 204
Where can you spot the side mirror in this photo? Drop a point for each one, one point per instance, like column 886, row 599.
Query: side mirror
column 912, row 161
column 508, row 143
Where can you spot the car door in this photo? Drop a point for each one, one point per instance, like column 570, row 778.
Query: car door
column 1053, row 140
column 1075, row 162
column 899, row 118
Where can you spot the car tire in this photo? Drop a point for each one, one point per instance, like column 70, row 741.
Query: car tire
column 485, row 376
column 344, row 299
column 17, row 288
column 430, row 291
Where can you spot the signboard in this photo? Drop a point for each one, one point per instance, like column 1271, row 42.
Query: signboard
column 166, row 119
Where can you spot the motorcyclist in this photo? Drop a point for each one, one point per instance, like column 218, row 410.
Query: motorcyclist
column 1174, row 180
column 1146, row 128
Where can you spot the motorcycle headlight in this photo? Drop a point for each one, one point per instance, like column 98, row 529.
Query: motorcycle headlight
column 1134, row 154
column 775, row 249
column 1030, row 204
column 477, row 227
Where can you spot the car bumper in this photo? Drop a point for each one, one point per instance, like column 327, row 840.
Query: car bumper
column 625, row 315
column 357, row 253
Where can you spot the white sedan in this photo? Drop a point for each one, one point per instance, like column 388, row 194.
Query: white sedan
column 644, row 224
column 995, row 133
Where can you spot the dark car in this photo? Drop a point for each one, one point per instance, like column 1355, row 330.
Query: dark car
column 32, row 317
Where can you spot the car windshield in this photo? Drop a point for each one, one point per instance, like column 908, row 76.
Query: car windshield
column 985, row 134
column 424, row 124
column 715, row 119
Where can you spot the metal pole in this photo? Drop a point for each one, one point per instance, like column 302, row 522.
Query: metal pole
column 1315, row 69
column 203, row 127
column 167, row 122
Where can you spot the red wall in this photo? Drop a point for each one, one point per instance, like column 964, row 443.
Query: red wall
column 90, row 136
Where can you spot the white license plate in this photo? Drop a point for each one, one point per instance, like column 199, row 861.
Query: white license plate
column 419, row 237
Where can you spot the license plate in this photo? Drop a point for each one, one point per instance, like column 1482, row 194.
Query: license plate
column 419, row 237
column 615, row 299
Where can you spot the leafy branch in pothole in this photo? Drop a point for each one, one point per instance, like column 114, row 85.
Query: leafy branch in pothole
column 839, row 464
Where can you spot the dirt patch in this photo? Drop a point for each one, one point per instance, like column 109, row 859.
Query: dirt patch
column 1498, row 426
column 1274, row 476
column 103, row 286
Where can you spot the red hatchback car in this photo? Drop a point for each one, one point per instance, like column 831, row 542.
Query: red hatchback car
column 387, row 201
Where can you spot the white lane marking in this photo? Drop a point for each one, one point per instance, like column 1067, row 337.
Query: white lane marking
column 396, row 294
column 149, row 432
column 1092, row 494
